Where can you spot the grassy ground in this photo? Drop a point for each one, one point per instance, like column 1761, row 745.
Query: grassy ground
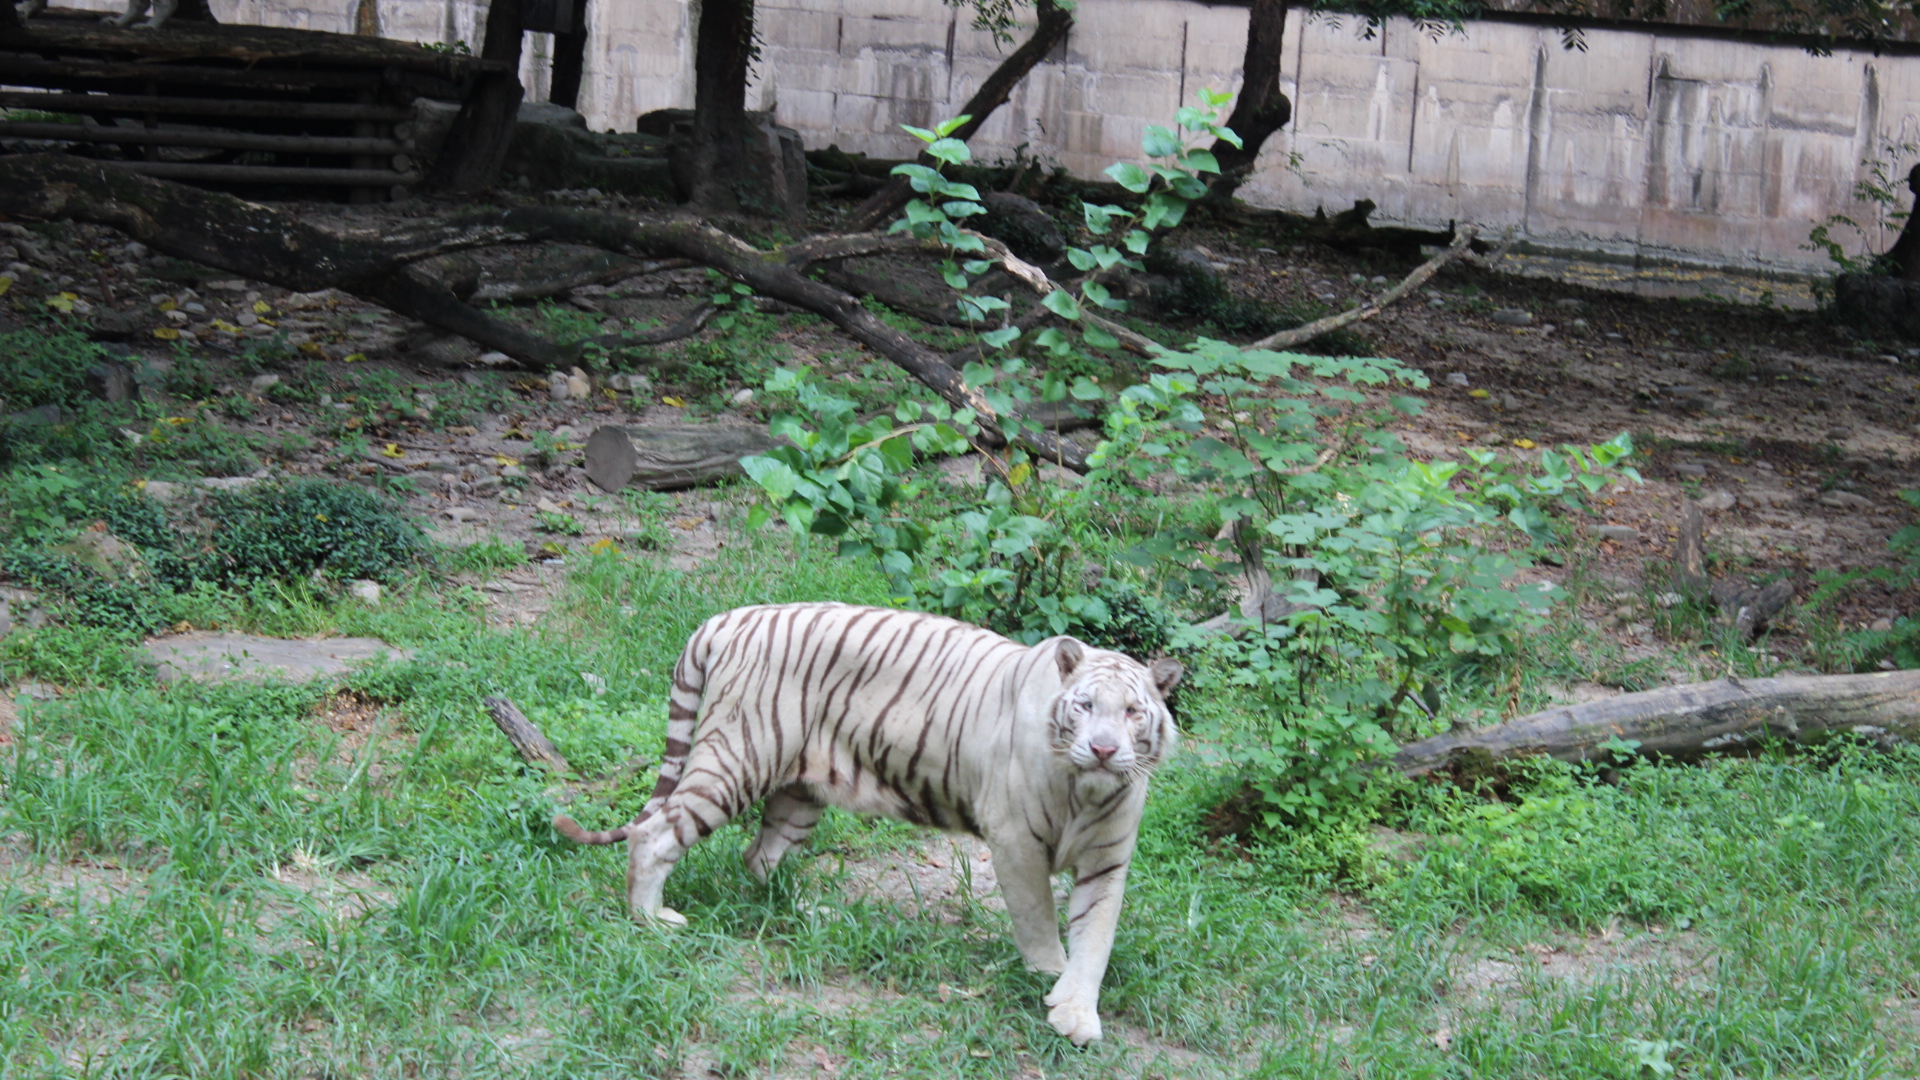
column 271, row 881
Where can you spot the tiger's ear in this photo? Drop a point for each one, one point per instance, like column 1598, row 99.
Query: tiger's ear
column 1068, row 653
column 1166, row 675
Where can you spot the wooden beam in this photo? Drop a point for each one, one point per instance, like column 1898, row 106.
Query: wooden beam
column 217, row 140
column 182, row 106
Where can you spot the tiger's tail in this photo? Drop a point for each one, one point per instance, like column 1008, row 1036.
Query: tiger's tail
column 683, row 709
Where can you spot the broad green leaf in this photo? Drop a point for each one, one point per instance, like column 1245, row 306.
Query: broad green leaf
column 1081, row 260
column 1085, row 389
column 1062, row 303
column 757, row 516
column 951, row 151
column 1137, row 242
column 1099, row 338
column 1159, row 142
column 1202, row 161
column 919, row 133
column 1130, row 176
column 947, row 127
column 776, row 478
column 1002, row 337
column 976, row 266
column 960, row 208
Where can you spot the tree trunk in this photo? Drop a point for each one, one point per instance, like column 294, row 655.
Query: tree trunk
column 1261, row 109
column 1050, row 29
column 671, row 457
column 477, row 142
column 569, row 60
column 1692, row 721
column 726, row 174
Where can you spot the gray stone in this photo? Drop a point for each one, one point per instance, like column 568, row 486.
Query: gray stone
column 1619, row 534
column 1513, row 317
column 1570, row 303
column 105, row 553
column 228, row 483
column 1845, row 500
column 111, row 381
column 165, row 491
column 432, row 122
column 111, row 325
column 1691, row 468
column 366, row 590
column 493, row 359
column 263, row 383
column 558, row 386
column 463, row 513
column 1839, row 434
column 1717, row 501
column 546, row 112
column 219, row 657
column 1881, row 625
column 742, row 397
column 1457, row 378
column 1490, row 438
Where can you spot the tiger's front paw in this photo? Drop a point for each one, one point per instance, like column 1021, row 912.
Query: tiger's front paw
column 1077, row 1021
column 664, row 917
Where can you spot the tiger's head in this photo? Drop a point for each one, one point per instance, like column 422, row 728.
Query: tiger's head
column 1110, row 718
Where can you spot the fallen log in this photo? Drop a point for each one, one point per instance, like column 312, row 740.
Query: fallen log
column 669, row 458
column 1692, row 721
column 264, row 244
column 533, row 747
column 1300, row 335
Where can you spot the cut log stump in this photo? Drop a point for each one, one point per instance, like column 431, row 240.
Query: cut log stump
column 670, row 457
column 1692, row 721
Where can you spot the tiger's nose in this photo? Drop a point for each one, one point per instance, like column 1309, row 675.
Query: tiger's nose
column 1102, row 750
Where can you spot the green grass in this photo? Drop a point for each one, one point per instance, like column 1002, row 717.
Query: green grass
column 213, row 882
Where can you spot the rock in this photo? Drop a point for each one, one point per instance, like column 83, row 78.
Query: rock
column 1691, row 468
column 578, row 388
column 39, row 416
column 1490, row 438
column 1457, row 378
column 164, row 491
column 1876, row 306
column 1023, row 225
column 1667, row 599
column 36, row 691
column 112, row 381
column 559, row 387
column 1513, row 317
column 463, row 513
column 263, row 383
column 1839, row 434
column 1717, row 501
column 548, row 506
column 1570, row 303
column 545, row 112
column 366, row 590
column 492, row 359
column 1881, row 625
column 1619, row 534
column 1578, row 326
column 441, row 350
column 432, row 122
column 211, row 657
column 228, row 483
column 742, row 397
column 111, row 325
column 6, row 617
column 487, row 485
column 1846, row 500
column 105, row 553
column 1509, row 403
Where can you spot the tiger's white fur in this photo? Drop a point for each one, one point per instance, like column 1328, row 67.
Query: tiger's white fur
column 1043, row 752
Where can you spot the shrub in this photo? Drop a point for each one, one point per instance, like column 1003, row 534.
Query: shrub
column 294, row 530
column 44, row 368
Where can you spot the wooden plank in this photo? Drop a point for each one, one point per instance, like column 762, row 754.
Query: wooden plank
column 33, row 71
column 267, row 174
column 55, row 31
column 218, row 140
column 150, row 103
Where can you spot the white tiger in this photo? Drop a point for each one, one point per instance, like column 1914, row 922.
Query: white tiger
column 1043, row 752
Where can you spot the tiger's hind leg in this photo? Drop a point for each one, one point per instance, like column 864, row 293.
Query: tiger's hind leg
column 789, row 818
column 704, row 798
column 653, row 850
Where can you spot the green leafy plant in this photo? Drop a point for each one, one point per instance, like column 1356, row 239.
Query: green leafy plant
column 45, row 367
column 555, row 522
column 307, row 526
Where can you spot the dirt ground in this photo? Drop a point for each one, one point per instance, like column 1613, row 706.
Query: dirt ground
column 1796, row 438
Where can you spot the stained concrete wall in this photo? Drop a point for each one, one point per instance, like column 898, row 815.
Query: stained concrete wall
column 1643, row 145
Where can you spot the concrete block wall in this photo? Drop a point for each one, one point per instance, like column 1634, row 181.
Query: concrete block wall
column 1643, row 145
